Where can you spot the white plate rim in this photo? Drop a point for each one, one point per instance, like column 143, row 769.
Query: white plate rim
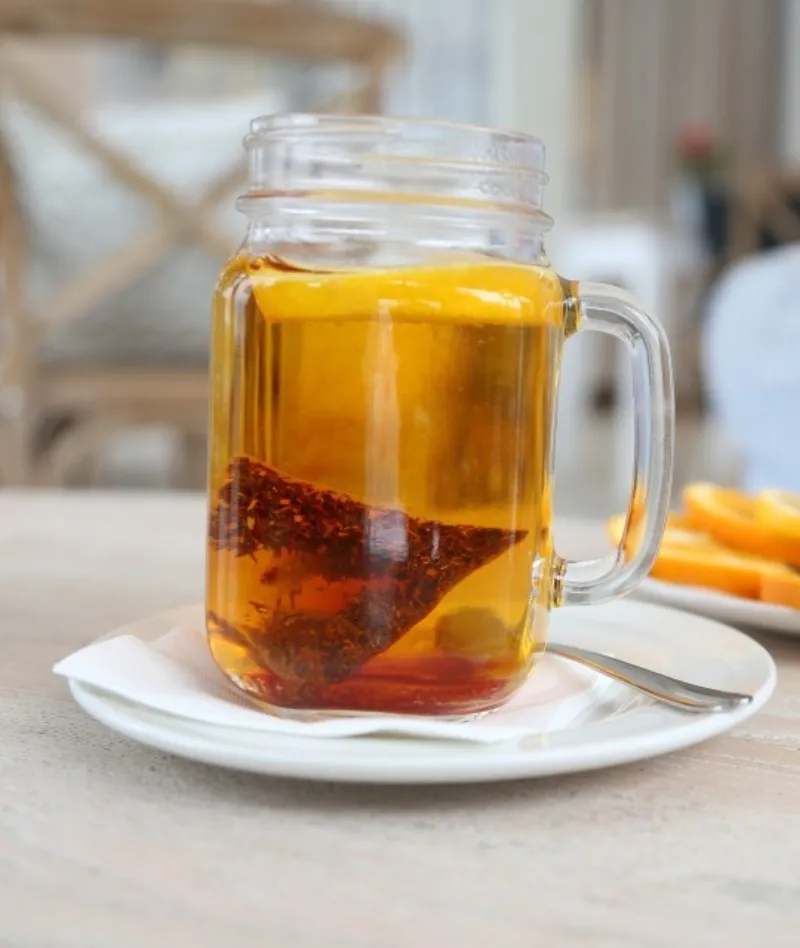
column 721, row 606
column 656, row 730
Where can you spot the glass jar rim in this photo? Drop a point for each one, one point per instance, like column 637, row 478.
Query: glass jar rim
column 362, row 157
column 508, row 143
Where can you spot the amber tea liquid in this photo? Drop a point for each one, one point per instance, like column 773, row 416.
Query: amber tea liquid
column 380, row 498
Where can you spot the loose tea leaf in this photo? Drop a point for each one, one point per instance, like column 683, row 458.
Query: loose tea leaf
column 357, row 578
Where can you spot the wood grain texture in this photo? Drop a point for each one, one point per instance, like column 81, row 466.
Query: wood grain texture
column 284, row 27
column 104, row 842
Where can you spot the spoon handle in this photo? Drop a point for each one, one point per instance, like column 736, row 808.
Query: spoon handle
column 681, row 694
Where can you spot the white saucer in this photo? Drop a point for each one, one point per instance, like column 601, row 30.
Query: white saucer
column 618, row 727
column 716, row 605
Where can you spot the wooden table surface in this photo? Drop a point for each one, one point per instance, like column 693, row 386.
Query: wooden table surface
column 106, row 843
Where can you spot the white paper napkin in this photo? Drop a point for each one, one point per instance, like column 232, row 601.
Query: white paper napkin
column 176, row 674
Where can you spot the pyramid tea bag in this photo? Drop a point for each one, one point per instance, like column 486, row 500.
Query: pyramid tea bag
column 345, row 580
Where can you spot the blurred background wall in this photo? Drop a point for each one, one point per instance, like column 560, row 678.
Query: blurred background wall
column 789, row 95
column 654, row 114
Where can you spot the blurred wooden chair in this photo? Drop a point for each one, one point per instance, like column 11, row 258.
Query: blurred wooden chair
column 52, row 415
column 764, row 212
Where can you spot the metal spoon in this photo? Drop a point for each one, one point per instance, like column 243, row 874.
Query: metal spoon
column 673, row 691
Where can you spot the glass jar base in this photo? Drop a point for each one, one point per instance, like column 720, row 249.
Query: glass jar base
column 313, row 717
column 354, row 700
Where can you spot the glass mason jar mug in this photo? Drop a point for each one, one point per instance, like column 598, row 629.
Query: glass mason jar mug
column 385, row 356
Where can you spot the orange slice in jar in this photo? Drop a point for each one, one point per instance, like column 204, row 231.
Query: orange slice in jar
column 731, row 518
column 453, row 291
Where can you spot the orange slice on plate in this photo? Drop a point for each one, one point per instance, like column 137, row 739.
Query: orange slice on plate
column 781, row 587
column 693, row 558
column 730, row 517
column 779, row 511
column 711, row 566
column 615, row 526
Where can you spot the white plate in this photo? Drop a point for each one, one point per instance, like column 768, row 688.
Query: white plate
column 620, row 729
column 716, row 605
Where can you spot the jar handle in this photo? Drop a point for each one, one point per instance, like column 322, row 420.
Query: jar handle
column 606, row 309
